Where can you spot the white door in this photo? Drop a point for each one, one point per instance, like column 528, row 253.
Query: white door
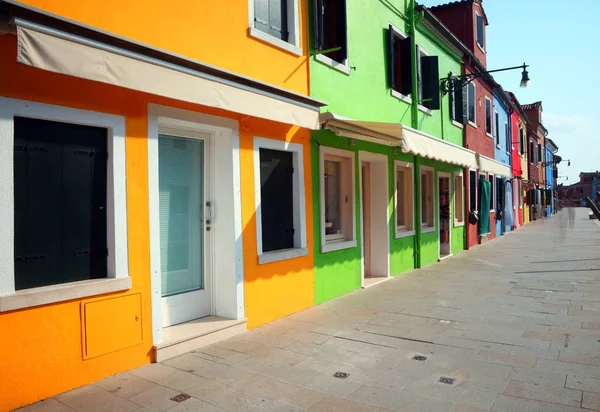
column 184, row 213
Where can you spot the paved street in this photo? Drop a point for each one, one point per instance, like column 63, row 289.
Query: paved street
column 512, row 325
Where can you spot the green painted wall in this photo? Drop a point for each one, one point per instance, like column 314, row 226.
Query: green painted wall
column 364, row 94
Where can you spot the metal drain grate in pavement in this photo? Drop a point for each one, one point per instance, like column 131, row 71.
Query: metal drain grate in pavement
column 181, row 397
column 341, row 375
column 420, row 358
column 447, row 381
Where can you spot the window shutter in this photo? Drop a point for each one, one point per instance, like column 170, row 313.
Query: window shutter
column 393, row 57
column 406, row 66
column 261, row 15
column 318, row 14
column 452, row 101
column 278, row 19
column 431, row 82
column 419, row 90
column 340, row 20
column 465, row 108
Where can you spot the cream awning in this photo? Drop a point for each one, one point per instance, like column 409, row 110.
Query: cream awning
column 394, row 134
column 60, row 52
column 493, row 166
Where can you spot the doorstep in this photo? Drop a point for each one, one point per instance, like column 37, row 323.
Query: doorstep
column 373, row 280
column 185, row 337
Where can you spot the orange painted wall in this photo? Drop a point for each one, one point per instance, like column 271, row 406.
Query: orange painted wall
column 43, row 356
column 214, row 32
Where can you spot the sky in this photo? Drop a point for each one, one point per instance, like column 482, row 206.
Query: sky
column 559, row 40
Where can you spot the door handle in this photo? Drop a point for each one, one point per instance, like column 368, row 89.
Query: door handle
column 209, row 213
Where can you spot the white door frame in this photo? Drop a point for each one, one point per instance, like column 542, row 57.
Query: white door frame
column 374, row 159
column 226, row 261
column 451, row 189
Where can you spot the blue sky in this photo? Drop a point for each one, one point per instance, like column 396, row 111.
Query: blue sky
column 559, row 40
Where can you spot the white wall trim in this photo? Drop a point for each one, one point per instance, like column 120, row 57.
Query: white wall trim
column 425, row 229
column 491, row 134
column 294, row 45
column 448, row 176
column 226, row 272
column 458, row 223
column 118, row 264
column 402, row 232
column 298, row 192
column 329, row 246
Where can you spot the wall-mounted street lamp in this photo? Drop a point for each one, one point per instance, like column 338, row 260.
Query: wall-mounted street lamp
column 544, row 164
column 457, row 82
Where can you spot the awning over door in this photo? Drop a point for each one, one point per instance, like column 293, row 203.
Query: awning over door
column 493, row 166
column 66, row 53
column 407, row 139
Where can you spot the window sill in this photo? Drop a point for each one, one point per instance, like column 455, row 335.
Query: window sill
column 333, row 64
column 498, row 146
column 427, row 229
column 508, row 153
column 400, row 96
column 44, row 295
column 404, row 233
column 458, row 224
column 489, row 135
column 267, row 38
column 332, row 246
column 480, row 47
column 472, row 124
column 459, row 125
column 425, row 110
column 284, row 254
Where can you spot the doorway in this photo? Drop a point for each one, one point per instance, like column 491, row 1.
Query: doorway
column 444, row 215
column 185, row 219
column 374, row 218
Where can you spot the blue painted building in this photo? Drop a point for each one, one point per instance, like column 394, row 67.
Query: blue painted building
column 550, row 150
column 502, row 149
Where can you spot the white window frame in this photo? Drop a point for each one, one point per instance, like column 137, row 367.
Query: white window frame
column 490, row 135
column 403, row 231
column 299, row 198
column 425, row 227
column 476, row 190
column 493, row 190
column 117, row 278
column 396, row 94
column 458, row 223
column 482, row 47
column 474, row 121
column 329, row 244
column 294, row 45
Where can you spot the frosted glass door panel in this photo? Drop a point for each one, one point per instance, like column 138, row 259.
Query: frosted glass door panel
column 181, row 188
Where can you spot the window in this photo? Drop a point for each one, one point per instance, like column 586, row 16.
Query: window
column 480, row 27
column 428, row 80
column 458, row 102
column 531, row 153
column 330, row 30
column 500, row 189
column 521, row 141
column 60, row 203
column 64, row 218
column 507, row 137
column 539, row 153
column 492, row 193
column 400, row 62
column 496, row 127
column 488, row 116
column 473, row 195
column 459, row 208
column 276, row 22
column 427, row 200
column 471, row 103
column 279, row 197
column 337, row 199
column 404, row 198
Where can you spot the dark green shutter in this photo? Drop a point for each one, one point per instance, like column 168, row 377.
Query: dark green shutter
column 406, row 66
column 277, row 199
column 431, row 82
column 338, row 15
column 393, row 56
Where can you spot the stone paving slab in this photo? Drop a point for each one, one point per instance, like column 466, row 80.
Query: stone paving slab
column 512, row 323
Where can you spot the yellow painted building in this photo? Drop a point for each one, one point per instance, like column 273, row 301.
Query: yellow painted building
column 179, row 128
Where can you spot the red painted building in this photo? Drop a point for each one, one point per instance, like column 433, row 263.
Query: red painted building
column 537, row 174
column 519, row 122
column 467, row 21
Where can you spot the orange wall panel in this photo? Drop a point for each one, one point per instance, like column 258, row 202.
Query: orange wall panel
column 214, row 32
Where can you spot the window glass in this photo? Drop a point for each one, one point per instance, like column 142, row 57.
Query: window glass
column 404, row 198
column 472, row 190
column 471, row 100
column 333, row 185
